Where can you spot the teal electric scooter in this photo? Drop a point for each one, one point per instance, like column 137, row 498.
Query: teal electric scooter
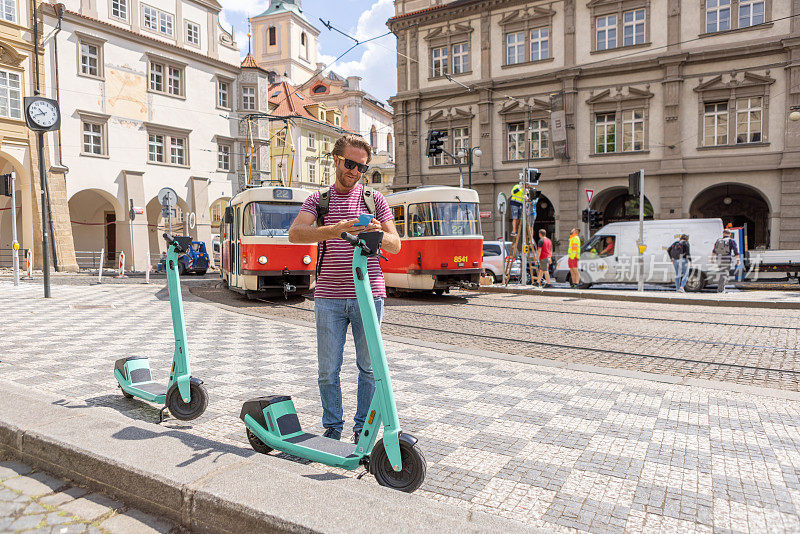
column 184, row 396
column 395, row 460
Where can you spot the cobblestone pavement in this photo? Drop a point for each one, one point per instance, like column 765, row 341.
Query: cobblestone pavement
column 759, row 347
column 559, row 449
column 35, row 502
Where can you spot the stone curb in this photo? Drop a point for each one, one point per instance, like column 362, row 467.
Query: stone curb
column 167, row 472
column 633, row 297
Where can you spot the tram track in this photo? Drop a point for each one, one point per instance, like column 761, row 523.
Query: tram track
column 573, row 347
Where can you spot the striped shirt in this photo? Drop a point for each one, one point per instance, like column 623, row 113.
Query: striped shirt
column 335, row 279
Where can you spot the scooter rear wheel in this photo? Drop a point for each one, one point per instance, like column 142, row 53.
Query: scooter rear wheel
column 409, row 478
column 258, row 445
column 191, row 410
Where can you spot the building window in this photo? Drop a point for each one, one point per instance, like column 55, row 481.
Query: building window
column 177, row 151
column 326, row 144
column 93, row 139
column 376, row 177
column 280, row 138
column 439, row 55
column 10, row 95
column 119, row 9
column 312, row 171
column 248, row 98
column 8, row 10
column 460, row 58
column 604, row 137
column 606, row 32
column 633, row 27
column 193, row 33
column 157, row 20
column 715, row 124
column 461, row 142
column 516, row 140
column 718, row 15
column 515, row 48
column 748, row 120
column 312, row 140
column 326, row 174
column 224, row 157
column 303, row 39
column 751, row 12
column 155, row 148
column 90, row 59
column 271, row 36
column 540, row 136
column 540, row 44
column 174, row 82
column 223, row 94
column 632, row 130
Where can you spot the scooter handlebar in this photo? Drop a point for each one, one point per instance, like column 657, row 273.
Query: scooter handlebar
column 172, row 241
column 350, row 238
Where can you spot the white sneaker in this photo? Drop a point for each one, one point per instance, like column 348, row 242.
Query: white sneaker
column 681, row 290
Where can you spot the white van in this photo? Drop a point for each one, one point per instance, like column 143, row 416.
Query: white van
column 611, row 255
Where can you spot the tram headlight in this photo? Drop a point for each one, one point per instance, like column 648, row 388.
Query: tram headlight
column 307, row 259
column 262, row 260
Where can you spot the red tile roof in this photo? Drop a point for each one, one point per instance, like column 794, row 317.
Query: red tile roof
column 289, row 101
column 249, row 62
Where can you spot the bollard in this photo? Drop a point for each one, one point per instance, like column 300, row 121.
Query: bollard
column 29, row 265
column 100, row 270
column 121, row 273
column 147, row 275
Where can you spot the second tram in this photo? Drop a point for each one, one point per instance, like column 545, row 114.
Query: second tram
column 257, row 258
column 442, row 243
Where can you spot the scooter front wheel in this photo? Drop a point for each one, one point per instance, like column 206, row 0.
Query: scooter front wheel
column 258, row 445
column 409, row 478
column 186, row 411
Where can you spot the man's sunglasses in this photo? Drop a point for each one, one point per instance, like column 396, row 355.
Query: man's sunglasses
column 350, row 164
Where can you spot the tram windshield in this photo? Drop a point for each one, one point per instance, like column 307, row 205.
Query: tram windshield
column 268, row 219
column 443, row 219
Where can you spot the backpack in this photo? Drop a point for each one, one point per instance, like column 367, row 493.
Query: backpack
column 322, row 210
column 722, row 247
column 675, row 250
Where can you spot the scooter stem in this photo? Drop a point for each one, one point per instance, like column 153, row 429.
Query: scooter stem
column 180, row 360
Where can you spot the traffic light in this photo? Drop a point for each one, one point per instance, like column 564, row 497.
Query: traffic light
column 585, row 216
column 532, row 176
column 594, row 218
column 435, row 142
column 633, row 184
column 5, row 185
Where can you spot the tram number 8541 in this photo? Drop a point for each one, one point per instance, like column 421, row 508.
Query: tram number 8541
column 460, row 259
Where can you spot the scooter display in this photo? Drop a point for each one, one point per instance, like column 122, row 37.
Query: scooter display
column 184, row 395
column 395, row 460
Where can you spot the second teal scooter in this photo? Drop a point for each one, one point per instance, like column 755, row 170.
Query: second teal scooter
column 395, row 459
column 184, row 395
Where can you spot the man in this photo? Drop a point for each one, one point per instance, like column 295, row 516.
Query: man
column 680, row 255
column 335, row 304
column 573, row 255
column 544, row 255
column 724, row 251
column 517, row 198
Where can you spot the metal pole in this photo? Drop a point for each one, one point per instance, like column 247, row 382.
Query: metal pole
column 45, row 251
column 503, row 247
column 131, row 215
column 470, row 167
column 460, row 175
column 100, row 270
column 169, row 219
column 524, row 274
column 641, row 230
column 14, row 243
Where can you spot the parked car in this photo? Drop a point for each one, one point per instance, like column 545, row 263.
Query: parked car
column 493, row 260
column 196, row 260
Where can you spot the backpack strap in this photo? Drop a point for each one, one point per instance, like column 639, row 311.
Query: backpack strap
column 369, row 199
column 322, row 211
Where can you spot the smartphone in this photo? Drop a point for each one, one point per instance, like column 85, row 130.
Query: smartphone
column 364, row 219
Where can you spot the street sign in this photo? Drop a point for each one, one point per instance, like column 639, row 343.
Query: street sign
column 502, row 203
column 192, row 220
column 168, row 197
column 167, row 212
column 589, row 195
column 138, row 211
column 486, row 215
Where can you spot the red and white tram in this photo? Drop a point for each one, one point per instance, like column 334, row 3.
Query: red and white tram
column 442, row 244
column 257, row 258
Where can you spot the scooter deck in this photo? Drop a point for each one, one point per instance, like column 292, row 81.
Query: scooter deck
column 323, row 444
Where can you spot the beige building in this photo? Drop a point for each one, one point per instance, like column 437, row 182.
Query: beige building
column 695, row 92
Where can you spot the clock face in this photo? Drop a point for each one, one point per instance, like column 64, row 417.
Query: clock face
column 43, row 113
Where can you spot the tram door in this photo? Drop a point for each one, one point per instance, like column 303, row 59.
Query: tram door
column 235, row 254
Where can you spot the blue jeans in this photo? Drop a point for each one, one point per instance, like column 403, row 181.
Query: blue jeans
column 332, row 317
column 681, row 272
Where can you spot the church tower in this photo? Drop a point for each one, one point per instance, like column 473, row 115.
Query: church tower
column 284, row 41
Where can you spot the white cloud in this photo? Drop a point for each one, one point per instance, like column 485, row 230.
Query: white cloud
column 248, row 7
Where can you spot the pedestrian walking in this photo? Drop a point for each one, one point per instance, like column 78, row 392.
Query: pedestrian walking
column 723, row 254
column 680, row 254
column 335, row 304
column 573, row 255
column 544, row 255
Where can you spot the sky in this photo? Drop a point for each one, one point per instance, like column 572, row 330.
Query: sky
column 375, row 61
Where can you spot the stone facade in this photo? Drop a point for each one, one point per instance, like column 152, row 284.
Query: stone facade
column 697, row 98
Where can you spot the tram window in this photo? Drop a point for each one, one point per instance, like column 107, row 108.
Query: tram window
column 444, row 219
column 398, row 212
column 270, row 220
